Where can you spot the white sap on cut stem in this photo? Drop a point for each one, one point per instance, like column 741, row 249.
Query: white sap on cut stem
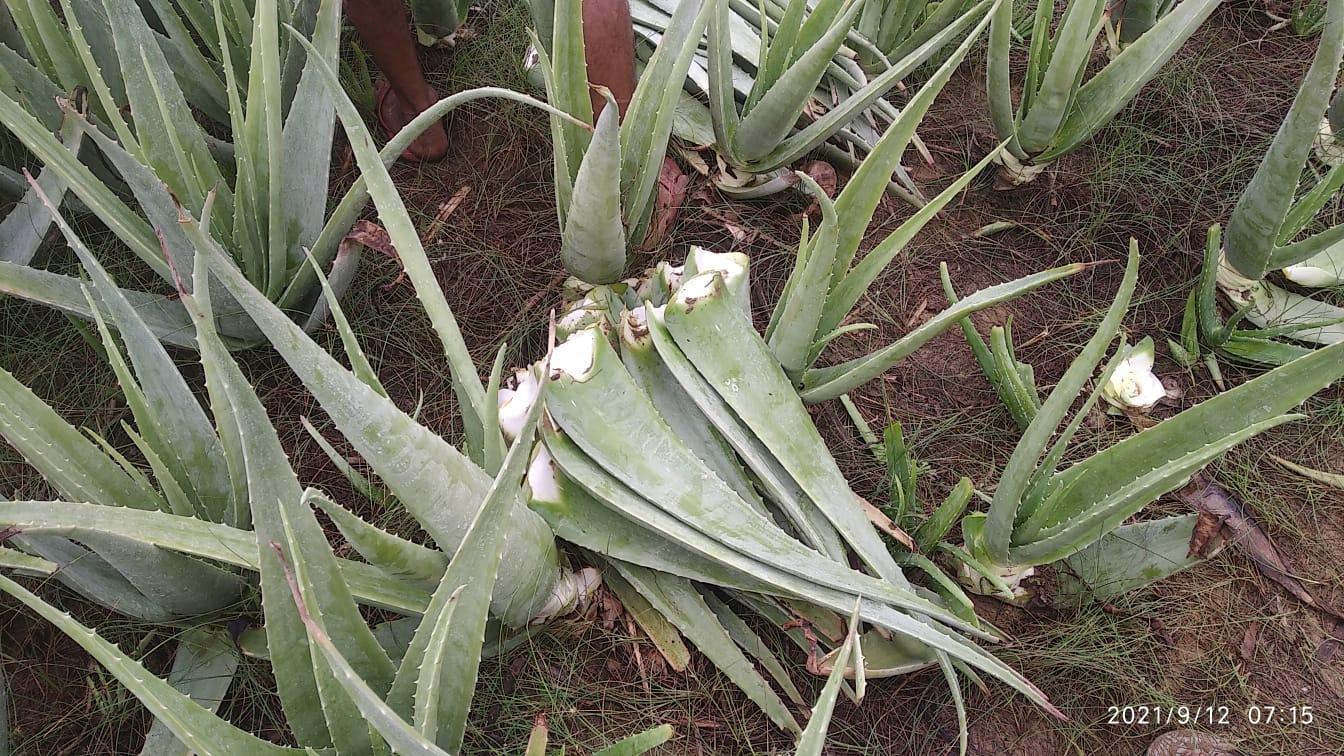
column 514, row 404
column 574, row 357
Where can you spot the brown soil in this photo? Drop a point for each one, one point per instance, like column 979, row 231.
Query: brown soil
column 1217, row 636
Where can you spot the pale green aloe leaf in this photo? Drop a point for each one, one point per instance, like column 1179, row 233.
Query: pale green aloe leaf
column 864, row 190
column 722, row 103
column 390, row 553
column 1127, row 559
column 727, row 350
column 774, row 114
column 192, row 723
column 798, row 314
column 812, row 135
column 587, row 405
column 1097, row 101
column 26, row 564
column 820, row 384
column 1104, row 489
column 92, row 577
column 201, row 83
column 1017, row 473
column 438, row 671
column 25, row 226
column 593, row 243
column 176, row 429
column 32, row 89
column 999, row 77
column 568, row 70
column 187, row 535
column 203, row 666
column 775, row 480
column 96, row 195
column 434, row 481
column 75, row 466
column 677, row 599
column 675, row 404
column 671, row 546
column 271, row 483
column 1253, row 227
column 47, row 41
column 639, row 743
column 306, row 143
column 466, row 382
column 320, row 583
column 373, row 713
column 652, row 111
column 494, row 452
column 661, row 632
column 813, row 739
column 752, row 644
column 562, row 143
column 260, row 141
column 169, row 136
column 156, row 200
column 1320, row 250
column 1059, row 81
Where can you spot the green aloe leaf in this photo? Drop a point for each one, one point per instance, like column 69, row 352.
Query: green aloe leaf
column 203, row 666
column 192, row 723
column 1253, row 227
column 813, row 739
column 677, row 599
column 592, row 245
column 188, row 535
column 820, row 384
column 1017, row 473
column 1097, row 494
column 1127, row 559
column 439, row 669
column 727, row 350
column 1105, row 94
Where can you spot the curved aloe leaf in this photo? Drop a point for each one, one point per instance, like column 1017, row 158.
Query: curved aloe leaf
column 203, row 667
column 820, row 384
column 192, row 723
column 592, row 245
column 1253, row 227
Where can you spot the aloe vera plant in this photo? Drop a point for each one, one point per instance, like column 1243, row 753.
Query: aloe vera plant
column 761, row 134
column 1269, row 229
column 1058, row 109
column 262, row 197
column 1040, row 514
column 606, row 176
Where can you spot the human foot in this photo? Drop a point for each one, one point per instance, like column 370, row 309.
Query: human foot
column 394, row 113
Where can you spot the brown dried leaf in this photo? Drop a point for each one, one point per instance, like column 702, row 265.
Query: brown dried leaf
column 1205, row 495
column 369, row 234
column 884, row 524
column 1248, row 641
column 671, row 195
column 1207, row 536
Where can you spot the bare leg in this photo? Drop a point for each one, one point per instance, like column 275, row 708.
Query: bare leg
column 386, row 33
column 609, row 42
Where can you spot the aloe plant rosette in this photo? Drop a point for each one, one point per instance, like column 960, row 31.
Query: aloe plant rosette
column 262, row 196
column 1058, row 109
column 1271, row 228
column 1075, row 516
